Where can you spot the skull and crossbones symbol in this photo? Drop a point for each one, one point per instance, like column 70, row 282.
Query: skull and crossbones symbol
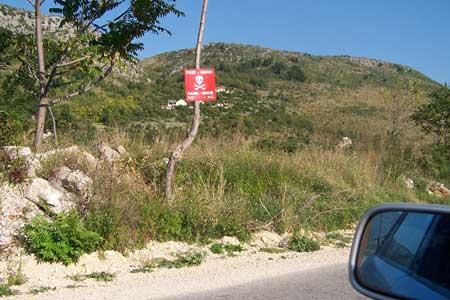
column 199, row 85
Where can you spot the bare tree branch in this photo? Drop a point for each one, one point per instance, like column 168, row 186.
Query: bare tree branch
column 54, row 125
column 83, row 89
column 73, row 62
column 31, row 3
column 29, row 68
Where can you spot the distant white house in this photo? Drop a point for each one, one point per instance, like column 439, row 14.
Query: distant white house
column 181, row 102
column 221, row 89
column 172, row 104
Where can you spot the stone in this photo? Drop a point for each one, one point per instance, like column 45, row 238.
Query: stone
column 346, row 142
column 437, row 189
column 61, row 173
column 122, row 151
column 15, row 212
column 230, row 240
column 5, row 240
column 267, row 238
column 284, row 243
column 42, row 193
column 18, row 152
column 78, row 183
column 108, row 153
column 92, row 162
column 409, row 183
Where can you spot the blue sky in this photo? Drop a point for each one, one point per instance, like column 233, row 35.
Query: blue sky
column 409, row 32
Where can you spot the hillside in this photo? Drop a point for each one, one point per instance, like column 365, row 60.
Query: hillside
column 273, row 93
column 278, row 96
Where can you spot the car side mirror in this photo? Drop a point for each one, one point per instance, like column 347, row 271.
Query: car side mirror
column 402, row 251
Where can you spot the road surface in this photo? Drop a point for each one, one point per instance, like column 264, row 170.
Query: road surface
column 329, row 283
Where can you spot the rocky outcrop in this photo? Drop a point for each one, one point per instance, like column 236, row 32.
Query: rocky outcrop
column 107, row 153
column 15, row 212
column 73, row 151
column 66, row 188
column 45, row 196
column 30, row 162
column 438, row 189
column 76, row 182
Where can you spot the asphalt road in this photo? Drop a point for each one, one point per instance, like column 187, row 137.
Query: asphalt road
column 328, row 283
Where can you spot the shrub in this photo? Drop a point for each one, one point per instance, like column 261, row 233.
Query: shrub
column 295, row 73
column 303, row 244
column 62, row 240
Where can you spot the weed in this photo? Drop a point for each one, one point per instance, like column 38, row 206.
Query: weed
column 338, row 239
column 101, row 276
column 188, row 260
column 272, row 250
column 216, row 248
column 219, row 248
column 303, row 244
column 231, row 248
column 16, row 279
column 76, row 277
column 98, row 276
column 41, row 289
column 5, row 290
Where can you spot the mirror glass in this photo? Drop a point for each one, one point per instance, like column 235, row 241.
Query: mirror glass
column 406, row 255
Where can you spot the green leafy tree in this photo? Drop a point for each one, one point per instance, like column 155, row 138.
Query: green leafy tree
column 88, row 46
column 434, row 116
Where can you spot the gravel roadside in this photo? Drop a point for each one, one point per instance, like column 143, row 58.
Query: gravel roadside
column 217, row 272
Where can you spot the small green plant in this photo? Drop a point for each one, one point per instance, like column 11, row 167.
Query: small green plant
column 16, row 279
column 5, row 290
column 338, row 239
column 189, row 260
column 41, row 289
column 62, row 240
column 272, row 250
column 303, row 244
column 76, row 277
column 230, row 248
column 101, row 276
column 216, row 248
column 219, row 248
column 98, row 276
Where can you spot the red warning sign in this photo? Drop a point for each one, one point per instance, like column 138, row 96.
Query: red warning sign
column 200, row 84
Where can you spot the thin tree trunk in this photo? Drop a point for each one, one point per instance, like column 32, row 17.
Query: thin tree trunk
column 43, row 100
column 176, row 155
